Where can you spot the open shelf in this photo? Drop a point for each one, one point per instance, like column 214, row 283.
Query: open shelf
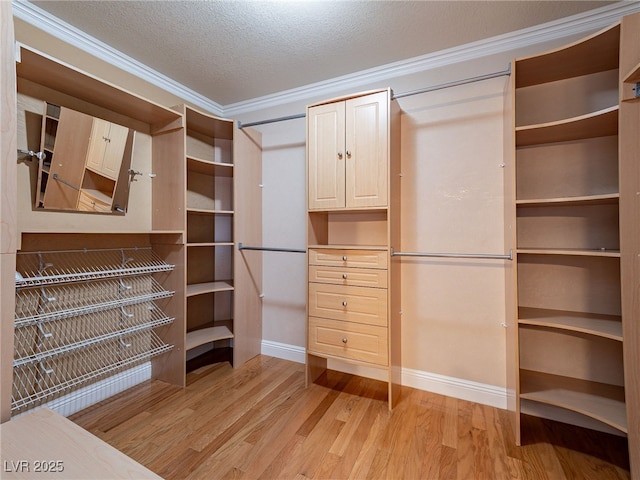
column 603, row 199
column 597, row 124
column 599, row 401
column 607, row 326
column 209, row 287
column 570, row 252
column 597, row 53
column 195, row 338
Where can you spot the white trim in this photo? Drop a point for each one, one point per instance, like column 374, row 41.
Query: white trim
column 283, row 350
column 96, row 392
column 28, row 12
column 577, row 24
column 456, row 387
column 429, row 382
column 562, row 28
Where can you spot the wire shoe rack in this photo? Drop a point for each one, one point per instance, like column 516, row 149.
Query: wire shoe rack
column 82, row 315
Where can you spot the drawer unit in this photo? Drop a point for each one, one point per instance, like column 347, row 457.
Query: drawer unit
column 354, row 341
column 88, row 203
column 361, row 277
column 354, row 304
column 329, row 257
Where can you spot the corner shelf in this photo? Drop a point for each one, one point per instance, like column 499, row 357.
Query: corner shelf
column 195, row 338
column 602, row 402
column 607, row 326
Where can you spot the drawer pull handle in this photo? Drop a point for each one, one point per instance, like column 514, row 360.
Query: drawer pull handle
column 344, row 304
column 344, row 275
column 344, row 258
column 344, row 340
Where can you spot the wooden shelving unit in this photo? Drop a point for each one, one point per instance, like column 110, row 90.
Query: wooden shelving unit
column 574, row 340
column 353, row 306
column 222, row 308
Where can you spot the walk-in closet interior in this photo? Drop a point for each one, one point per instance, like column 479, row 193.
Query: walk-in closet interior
column 469, row 227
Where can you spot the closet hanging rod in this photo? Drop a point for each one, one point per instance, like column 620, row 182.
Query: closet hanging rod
column 493, row 256
column 270, row 249
column 271, row 120
column 432, row 88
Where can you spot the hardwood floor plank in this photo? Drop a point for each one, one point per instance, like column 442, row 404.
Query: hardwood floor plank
column 259, row 421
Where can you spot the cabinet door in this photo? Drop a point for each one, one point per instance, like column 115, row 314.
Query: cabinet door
column 326, row 181
column 72, row 138
column 367, row 150
column 99, row 136
column 106, row 148
column 117, row 139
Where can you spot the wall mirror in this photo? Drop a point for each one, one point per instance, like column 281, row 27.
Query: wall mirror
column 86, row 163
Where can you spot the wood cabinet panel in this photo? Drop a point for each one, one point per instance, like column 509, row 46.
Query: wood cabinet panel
column 367, row 343
column 362, row 277
column 367, row 151
column 354, row 304
column 348, row 258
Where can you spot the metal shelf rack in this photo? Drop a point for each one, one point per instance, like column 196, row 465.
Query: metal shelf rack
column 82, row 315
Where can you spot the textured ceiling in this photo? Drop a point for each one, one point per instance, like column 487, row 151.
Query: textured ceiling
column 231, row 51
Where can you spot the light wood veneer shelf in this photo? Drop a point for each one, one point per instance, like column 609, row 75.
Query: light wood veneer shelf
column 599, row 401
column 209, row 287
column 597, row 124
column 570, row 251
column 206, row 211
column 209, row 168
column 607, row 326
column 351, row 247
column 195, row 338
column 603, row 199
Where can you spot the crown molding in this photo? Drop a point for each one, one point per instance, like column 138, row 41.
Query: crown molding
column 583, row 23
column 579, row 24
column 37, row 17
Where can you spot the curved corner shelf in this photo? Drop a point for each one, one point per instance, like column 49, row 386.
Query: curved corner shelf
column 209, row 287
column 601, row 199
column 195, row 338
column 581, row 252
column 596, row 53
column 207, row 167
column 599, row 401
column 596, row 124
column 606, row 326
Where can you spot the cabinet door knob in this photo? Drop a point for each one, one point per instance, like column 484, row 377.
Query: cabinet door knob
column 339, row 154
column 344, row 304
column 349, row 153
column 344, row 340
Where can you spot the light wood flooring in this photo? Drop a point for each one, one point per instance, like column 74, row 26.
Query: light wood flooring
column 259, row 421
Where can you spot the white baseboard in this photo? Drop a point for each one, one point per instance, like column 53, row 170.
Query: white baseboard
column 96, row 392
column 430, row 382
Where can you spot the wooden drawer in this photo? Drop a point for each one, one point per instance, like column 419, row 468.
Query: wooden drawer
column 355, row 341
column 362, row 277
column 353, row 304
column 87, row 203
column 348, row 258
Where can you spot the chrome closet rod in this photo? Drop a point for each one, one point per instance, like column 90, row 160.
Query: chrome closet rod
column 270, row 249
column 494, row 256
column 432, row 88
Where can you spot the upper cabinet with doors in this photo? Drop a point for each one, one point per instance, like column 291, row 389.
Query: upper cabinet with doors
column 348, row 149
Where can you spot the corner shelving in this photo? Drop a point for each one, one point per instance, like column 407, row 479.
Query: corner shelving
column 567, row 220
column 209, row 225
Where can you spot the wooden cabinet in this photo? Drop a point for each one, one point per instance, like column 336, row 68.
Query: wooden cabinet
column 215, row 282
column 106, row 148
column 348, row 152
column 576, row 229
column 353, row 171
